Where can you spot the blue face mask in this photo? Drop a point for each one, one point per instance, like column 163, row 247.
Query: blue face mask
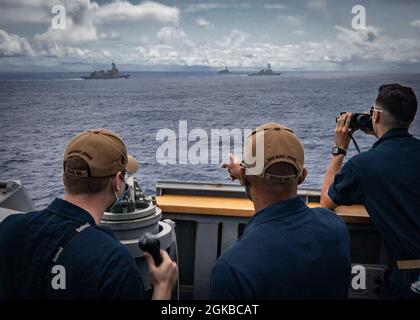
column 119, row 199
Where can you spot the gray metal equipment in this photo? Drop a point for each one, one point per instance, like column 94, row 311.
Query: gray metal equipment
column 14, row 198
column 135, row 216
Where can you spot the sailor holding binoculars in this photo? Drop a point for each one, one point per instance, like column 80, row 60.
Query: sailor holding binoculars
column 385, row 180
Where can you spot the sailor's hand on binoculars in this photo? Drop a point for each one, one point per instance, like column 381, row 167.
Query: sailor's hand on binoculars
column 233, row 167
column 163, row 277
column 342, row 131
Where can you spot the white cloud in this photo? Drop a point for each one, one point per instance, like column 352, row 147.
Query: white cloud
column 39, row 11
column 73, row 34
column 72, row 54
column 275, row 6
column 106, row 53
column 361, row 38
column 299, row 32
column 11, row 45
column 290, row 20
column 351, row 49
column 203, row 23
column 415, row 24
column 83, row 19
column 317, row 5
column 197, row 7
column 161, row 54
column 84, row 16
column 124, row 10
column 171, row 45
column 371, row 45
column 173, row 36
column 112, row 35
column 24, row 15
column 206, row 6
column 235, row 39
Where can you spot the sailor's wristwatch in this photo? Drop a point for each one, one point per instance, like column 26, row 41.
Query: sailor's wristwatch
column 337, row 150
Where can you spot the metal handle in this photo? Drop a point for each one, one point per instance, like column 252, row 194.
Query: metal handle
column 151, row 245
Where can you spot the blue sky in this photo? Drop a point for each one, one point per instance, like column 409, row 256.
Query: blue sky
column 166, row 35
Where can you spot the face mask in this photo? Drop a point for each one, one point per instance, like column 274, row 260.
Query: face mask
column 119, row 199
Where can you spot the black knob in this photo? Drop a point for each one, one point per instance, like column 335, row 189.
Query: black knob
column 151, row 245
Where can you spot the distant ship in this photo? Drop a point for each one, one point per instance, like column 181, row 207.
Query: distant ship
column 265, row 72
column 224, row 71
column 109, row 74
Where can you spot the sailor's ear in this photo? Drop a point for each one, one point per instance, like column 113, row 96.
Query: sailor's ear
column 116, row 182
column 303, row 175
column 376, row 117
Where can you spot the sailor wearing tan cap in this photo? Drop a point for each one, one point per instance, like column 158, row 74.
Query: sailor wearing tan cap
column 287, row 251
column 66, row 234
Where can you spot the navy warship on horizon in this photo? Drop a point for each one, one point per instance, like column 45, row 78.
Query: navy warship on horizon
column 265, row 72
column 224, row 71
column 109, row 74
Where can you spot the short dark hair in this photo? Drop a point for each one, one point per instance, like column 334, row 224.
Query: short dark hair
column 280, row 169
column 82, row 185
column 399, row 101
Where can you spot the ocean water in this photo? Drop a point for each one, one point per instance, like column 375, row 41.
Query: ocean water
column 40, row 113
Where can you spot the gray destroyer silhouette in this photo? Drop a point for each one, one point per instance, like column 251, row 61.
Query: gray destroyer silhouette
column 224, row 71
column 109, row 74
column 265, row 72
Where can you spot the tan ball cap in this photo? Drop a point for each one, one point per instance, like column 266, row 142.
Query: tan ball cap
column 280, row 145
column 104, row 152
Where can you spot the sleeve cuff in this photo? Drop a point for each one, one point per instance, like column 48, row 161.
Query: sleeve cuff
column 333, row 195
